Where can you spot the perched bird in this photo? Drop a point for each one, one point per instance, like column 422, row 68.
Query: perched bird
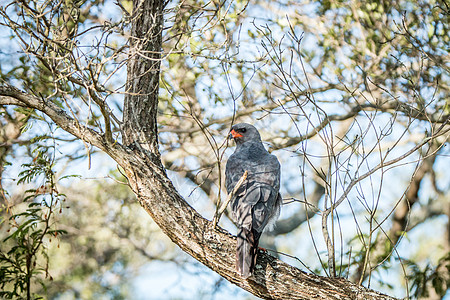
column 257, row 202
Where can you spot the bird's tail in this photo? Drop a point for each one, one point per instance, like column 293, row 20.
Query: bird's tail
column 247, row 247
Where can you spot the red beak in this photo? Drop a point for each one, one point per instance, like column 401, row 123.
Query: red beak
column 235, row 134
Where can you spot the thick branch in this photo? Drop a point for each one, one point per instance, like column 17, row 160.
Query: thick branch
column 215, row 248
column 195, row 235
column 190, row 231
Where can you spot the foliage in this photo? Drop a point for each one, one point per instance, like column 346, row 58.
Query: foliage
column 430, row 278
column 88, row 255
column 23, row 255
column 107, row 245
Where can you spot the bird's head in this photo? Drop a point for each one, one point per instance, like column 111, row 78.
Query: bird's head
column 244, row 132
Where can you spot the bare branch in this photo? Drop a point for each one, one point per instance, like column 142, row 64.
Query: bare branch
column 230, row 196
column 9, row 95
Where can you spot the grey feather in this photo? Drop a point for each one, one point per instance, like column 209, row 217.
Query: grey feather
column 257, row 202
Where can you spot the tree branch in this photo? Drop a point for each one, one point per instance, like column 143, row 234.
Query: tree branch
column 222, row 208
column 214, row 247
column 10, row 95
column 195, row 235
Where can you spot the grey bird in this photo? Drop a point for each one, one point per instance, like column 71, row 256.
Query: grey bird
column 257, row 202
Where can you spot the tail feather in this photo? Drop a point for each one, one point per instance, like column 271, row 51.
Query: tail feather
column 247, row 247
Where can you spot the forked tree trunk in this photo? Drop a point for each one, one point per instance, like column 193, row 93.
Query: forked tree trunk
column 215, row 248
column 139, row 157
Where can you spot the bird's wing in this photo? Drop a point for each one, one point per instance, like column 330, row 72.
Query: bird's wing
column 233, row 172
column 267, row 171
column 254, row 206
column 255, row 203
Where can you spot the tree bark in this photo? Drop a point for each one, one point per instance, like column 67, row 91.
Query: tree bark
column 195, row 235
column 139, row 128
column 139, row 157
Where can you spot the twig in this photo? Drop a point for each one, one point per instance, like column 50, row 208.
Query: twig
column 220, row 211
column 293, row 257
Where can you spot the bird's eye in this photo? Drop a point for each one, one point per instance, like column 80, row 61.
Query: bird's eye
column 243, row 130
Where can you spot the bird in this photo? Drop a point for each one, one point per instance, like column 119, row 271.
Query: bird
column 257, row 202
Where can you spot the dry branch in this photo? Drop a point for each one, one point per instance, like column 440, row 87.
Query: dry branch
column 214, row 247
column 230, row 196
